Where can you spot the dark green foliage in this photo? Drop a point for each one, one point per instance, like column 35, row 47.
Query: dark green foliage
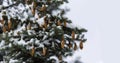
column 36, row 39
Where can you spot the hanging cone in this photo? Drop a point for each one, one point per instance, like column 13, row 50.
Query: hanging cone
column 65, row 23
column 4, row 29
column 9, row 25
column 81, row 45
column 45, row 18
column 44, row 51
column 69, row 45
column 33, row 51
column 75, row 46
column 73, row 35
column 29, row 26
column 58, row 23
column 62, row 44
column 45, row 25
column 43, row 8
column 33, row 11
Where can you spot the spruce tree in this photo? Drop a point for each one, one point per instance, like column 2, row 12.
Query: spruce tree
column 36, row 31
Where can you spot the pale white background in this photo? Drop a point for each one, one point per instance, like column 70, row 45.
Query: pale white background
column 102, row 19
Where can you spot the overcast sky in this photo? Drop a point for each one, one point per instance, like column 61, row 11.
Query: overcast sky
column 102, row 19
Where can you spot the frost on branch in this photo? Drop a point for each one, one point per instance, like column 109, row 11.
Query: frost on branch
column 32, row 33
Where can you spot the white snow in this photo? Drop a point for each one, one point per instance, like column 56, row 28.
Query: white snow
column 46, row 42
column 41, row 45
column 70, row 26
column 19, row 29
column 13, row 61
column 45, row 37
column 37, row 41
column 59, row 27
column 40, row 21
column 21, row 7
column 72, row 59
column 53, row 44
column 32, row 40
column 52, row 33
column 2, row 43
column 31, row 32
column 57, row 40
column 65, row 35
column 5, row 3
column 10, row 45
column 54, row 57
column 1, row 6
column 21, row 42
column 25, row 15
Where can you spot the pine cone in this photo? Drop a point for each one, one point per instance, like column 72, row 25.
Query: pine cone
column 33, row 51
column 9, row 25
column 58, row 23
column 75, row 46
column 65, row 23
column 62, row 43
column 4, row 29
column 44, row 51
column 73, row 35
column 81, row 45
